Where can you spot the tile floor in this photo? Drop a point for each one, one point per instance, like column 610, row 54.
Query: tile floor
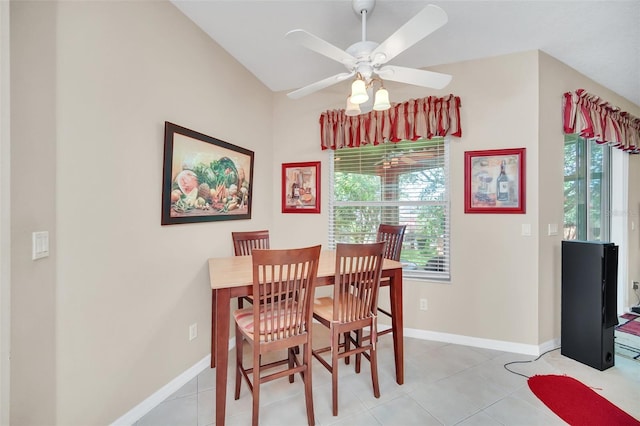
column 445, row 384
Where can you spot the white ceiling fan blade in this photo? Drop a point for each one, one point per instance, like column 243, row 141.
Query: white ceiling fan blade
column 319, row 85
column 408, row 160
column 421, row 25
column 414, row 76
column 321, row 46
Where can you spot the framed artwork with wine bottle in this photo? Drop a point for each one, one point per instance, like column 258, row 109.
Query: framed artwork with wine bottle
column 301, row 187
column 494, row 181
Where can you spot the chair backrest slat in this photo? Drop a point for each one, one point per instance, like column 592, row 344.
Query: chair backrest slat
column 358, row 270
column 284, row 283
column 245, row 242
column 393, row 236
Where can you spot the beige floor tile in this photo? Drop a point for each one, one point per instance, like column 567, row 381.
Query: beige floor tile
column 444, row 384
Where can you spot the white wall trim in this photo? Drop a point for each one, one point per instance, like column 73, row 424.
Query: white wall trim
column 621, row 215
column 137, row 412
column 478, row 342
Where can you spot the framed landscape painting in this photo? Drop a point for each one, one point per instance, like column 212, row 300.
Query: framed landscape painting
column 204, row 178
column 494, row 181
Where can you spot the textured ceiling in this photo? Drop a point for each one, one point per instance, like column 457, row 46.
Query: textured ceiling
column 600, row 39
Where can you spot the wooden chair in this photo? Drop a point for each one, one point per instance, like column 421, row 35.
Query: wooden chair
column 393, row 235
column 245, row 242
column 352, row 308
column 277, row 323
column 243, row 245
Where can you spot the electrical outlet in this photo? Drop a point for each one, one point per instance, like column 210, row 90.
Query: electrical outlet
column 423, row 304
column 634, row 285
column 193, row 331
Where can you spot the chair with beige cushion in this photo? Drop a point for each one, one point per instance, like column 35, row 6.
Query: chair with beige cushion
column 278, row 323
column 243, row 245
column 352, row 308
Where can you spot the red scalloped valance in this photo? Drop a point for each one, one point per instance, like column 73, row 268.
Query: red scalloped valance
column 593, row 118
column 411, row 120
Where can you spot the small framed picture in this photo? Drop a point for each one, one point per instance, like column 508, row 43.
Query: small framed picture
column 301, row 187
column 494, row 181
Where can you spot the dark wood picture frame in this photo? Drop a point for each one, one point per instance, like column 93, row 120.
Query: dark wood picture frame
column 301, row 187
column 204, row 179
column 494, row 181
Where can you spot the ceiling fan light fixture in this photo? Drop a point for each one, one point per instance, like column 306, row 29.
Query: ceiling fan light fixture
column 381, row 102
column 359, row 92
column 352, row 109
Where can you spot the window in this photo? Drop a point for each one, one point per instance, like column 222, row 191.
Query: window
column 404, row 183
column 586, row 189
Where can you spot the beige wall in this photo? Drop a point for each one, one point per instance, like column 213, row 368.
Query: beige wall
column 504, row 286
column 557, row 78
column 5, row 220
column 494, row 268
column 102, row 323
column 33, row 208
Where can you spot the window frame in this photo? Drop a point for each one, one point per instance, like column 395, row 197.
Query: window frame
column 583, row 177
column 445, row 203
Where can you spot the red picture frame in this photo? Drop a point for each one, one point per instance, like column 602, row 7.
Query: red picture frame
column 494, row 181
column 301, row 187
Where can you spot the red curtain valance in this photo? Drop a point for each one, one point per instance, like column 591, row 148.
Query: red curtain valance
column 414, row 119
column 593, row 118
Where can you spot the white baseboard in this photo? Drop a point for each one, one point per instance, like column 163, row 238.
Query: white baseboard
column 137, row 412
column 477, row 342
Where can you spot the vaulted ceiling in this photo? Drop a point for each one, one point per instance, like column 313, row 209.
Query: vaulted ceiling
column 600, row 39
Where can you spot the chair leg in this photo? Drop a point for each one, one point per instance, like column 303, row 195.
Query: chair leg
column 290, row 356
column 239, row 341
column 373, row 359
column 335, row 338
column 256, row 389
column 347, row 346
column 240, row 303
column 346, row 359
column 306, row 377
column 358, row 355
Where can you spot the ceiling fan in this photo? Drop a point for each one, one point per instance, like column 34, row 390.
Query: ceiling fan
column 409, row 158
column 366, row 58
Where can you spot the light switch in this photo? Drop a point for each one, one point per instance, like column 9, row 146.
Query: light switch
column 553, row 229
column 39, row 245
column 526, row 229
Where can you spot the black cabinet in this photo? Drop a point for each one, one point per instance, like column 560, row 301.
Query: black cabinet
column 589, row 297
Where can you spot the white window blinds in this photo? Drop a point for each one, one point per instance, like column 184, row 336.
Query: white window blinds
column 404, row 183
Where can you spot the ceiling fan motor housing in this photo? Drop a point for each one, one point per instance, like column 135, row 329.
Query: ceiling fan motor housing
column 362, row 52
column 360, row 5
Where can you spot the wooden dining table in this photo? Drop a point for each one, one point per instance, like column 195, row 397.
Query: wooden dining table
column 232, row 277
